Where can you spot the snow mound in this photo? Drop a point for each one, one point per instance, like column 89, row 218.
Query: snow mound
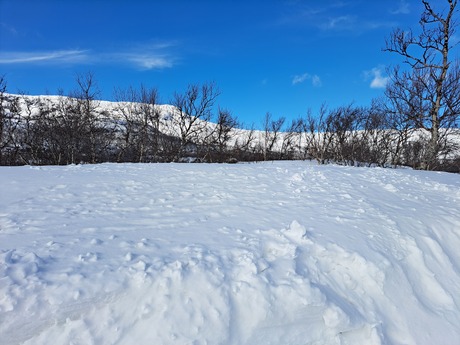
column 278, row 253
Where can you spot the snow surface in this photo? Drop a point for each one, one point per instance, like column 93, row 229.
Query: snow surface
column 272, row 253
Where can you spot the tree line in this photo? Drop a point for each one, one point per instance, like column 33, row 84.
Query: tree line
column 77, row 128
column 415, row 123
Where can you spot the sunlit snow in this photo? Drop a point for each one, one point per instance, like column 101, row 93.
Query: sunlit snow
column 262, row 253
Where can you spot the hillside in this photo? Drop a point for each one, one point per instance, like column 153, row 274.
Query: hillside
column 58, row 130
column 265, row 253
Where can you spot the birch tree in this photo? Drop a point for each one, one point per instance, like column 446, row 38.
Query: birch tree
column 429, row 90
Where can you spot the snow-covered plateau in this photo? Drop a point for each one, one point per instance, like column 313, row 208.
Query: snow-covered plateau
column 262, row 253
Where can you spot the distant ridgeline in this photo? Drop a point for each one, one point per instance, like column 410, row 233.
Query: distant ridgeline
column 59, row 130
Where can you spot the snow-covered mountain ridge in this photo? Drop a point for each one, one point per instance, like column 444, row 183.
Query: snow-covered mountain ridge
column 62, row 130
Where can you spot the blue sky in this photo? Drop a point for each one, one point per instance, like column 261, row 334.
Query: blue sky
column 280, row 56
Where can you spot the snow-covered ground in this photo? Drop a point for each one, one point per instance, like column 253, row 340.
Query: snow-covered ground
column 273, row 253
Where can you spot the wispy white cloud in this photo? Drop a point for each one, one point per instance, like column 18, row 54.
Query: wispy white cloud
column 301, row 78
column 353, row 24
column 149, row 61
column 298, row 79
column 312, row 13
column 316, row 81
column 145, row 57
column 378, row 80
column 403, row 8
column 149, row 56
column 57, row 56
column 339, row 23
column 336, row 17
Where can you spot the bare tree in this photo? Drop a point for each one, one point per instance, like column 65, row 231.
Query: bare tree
column 291, row 139
column 71, row 129
column 10, row 114
column 139, row 129
column 65, row 132
column 9, row 122
column 193, row 111
column 150, row 135
column 320, row 135
column 127, row 108
column 346, row 123
column 225, row 125
column 429, row 91
column 272, row 129
column 5, row 136
column 245, row 145
column 376, row 138
column 27, row 139
column 86, row 105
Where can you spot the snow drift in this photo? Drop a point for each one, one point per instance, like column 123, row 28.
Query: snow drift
column 273, row 253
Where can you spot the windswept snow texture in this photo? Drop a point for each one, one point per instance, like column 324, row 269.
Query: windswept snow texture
column 273, row 253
